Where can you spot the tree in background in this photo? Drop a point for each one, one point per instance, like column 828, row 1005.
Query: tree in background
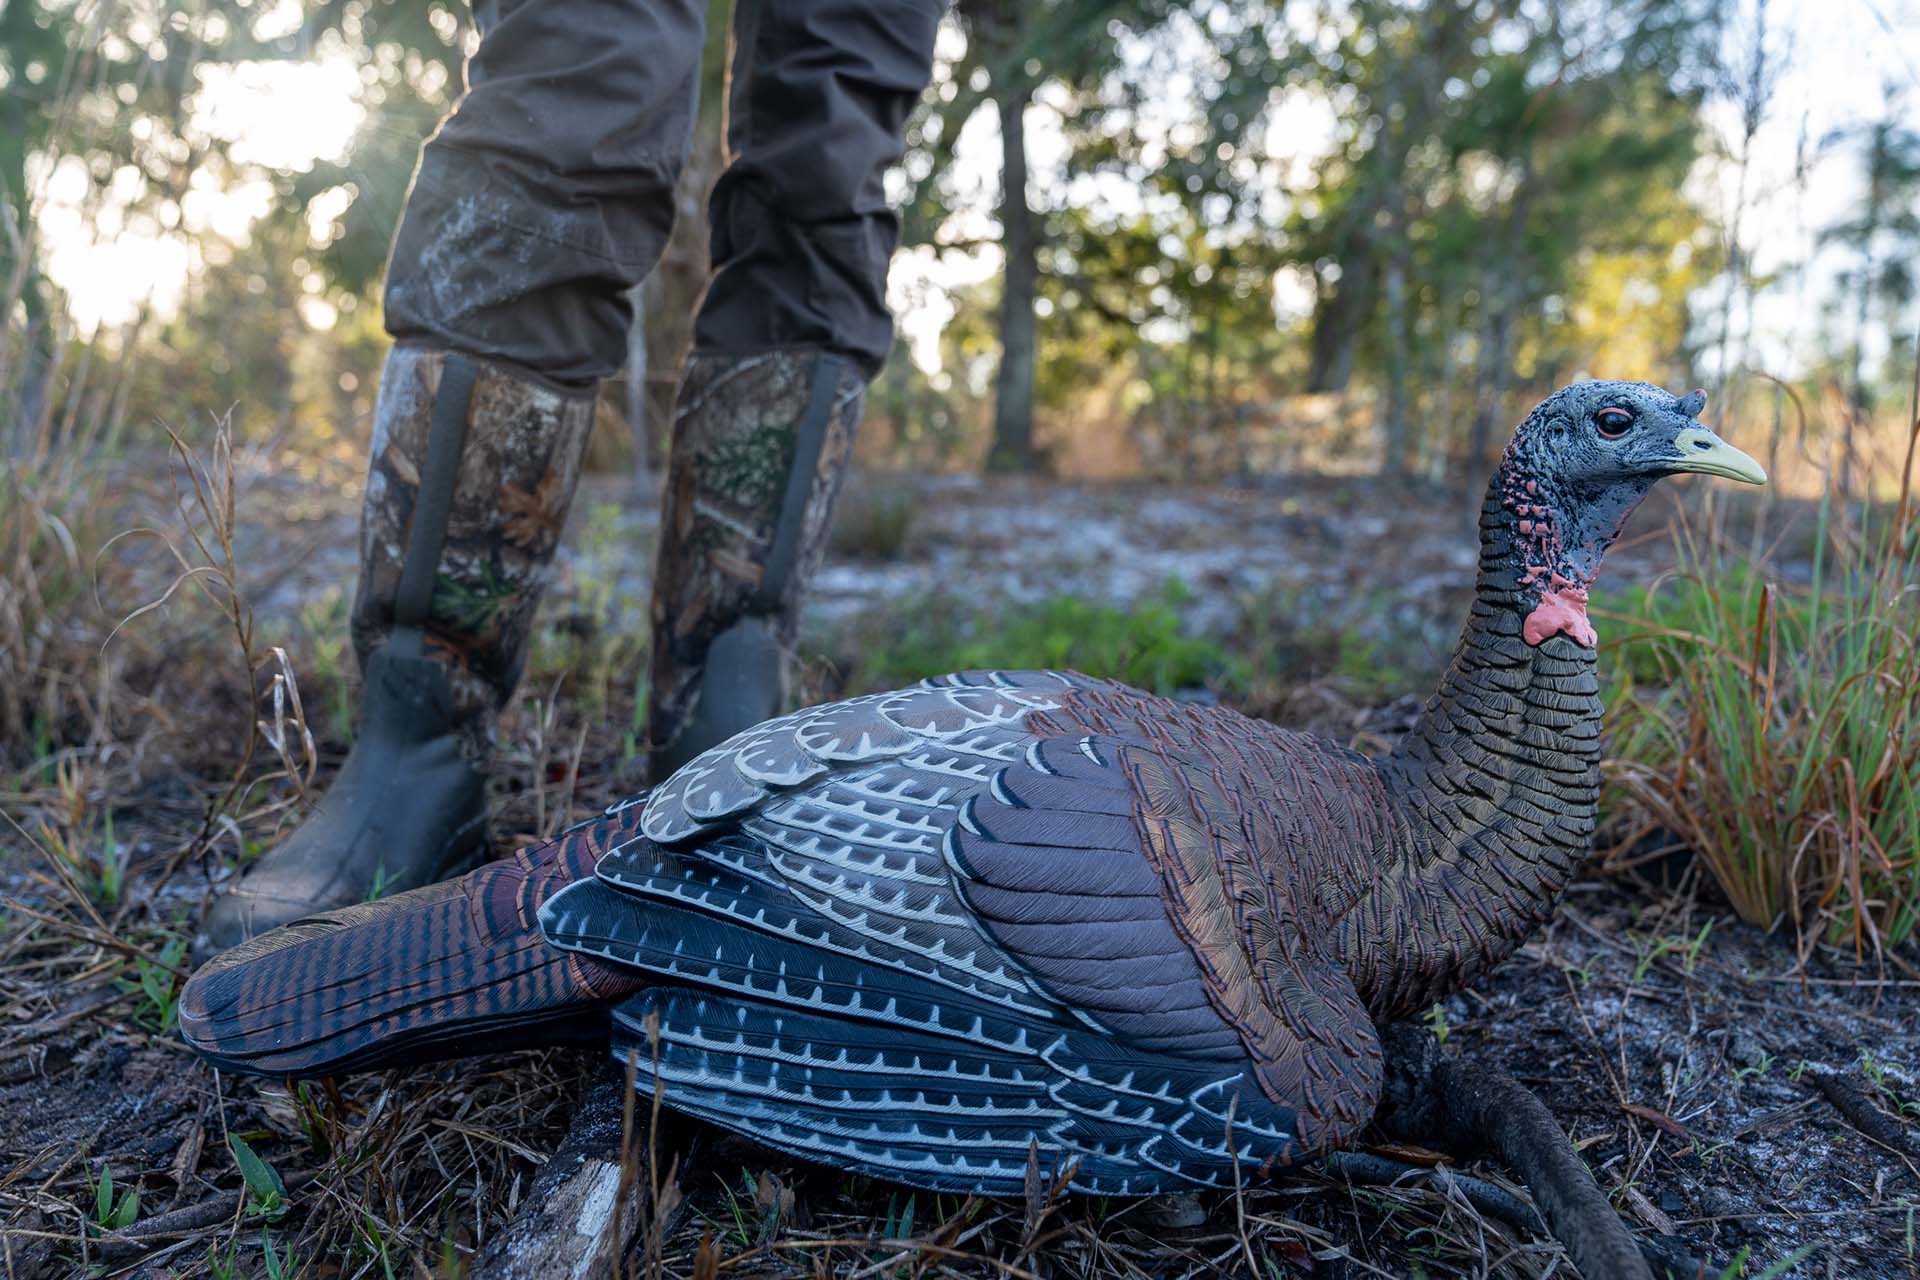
column 1425, row 210
column 1473, row 166
column 1882, row 240
column 1485, row 155
column 104, row 91
column 110, row 94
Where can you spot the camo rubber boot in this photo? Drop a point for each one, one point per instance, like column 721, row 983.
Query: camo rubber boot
column 760, row 443
column 471, row 471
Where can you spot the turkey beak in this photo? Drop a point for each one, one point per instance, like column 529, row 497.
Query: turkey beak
column 1701, row 450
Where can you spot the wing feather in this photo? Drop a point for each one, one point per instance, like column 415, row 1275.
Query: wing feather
column 916, row 932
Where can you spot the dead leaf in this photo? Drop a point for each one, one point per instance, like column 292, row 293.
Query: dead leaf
column 706, row 1260
column 534, row 519
column 1658, row 1119
column 1649, row 1212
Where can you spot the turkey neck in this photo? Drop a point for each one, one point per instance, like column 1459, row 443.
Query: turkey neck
column 1496, row 790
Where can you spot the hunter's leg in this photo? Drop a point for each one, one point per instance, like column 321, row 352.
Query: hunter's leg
column 793, row 326
column 539, row 202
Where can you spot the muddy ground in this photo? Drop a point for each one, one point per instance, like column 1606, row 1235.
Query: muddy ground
column 1682, row 1052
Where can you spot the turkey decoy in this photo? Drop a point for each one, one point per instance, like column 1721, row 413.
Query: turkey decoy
column 921, row 934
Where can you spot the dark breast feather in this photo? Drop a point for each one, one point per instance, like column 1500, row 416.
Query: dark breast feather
column 921, row 934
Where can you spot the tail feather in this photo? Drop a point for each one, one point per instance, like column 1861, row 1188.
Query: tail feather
column 454, row 968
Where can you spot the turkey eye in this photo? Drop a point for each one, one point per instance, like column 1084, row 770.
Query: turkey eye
column 1613, row 423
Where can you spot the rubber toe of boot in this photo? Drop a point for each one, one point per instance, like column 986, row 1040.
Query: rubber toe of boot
column 406, row 809
column 740, row 686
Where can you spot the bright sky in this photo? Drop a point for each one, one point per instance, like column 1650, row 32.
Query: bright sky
column 1844, row 57
column 283, row 116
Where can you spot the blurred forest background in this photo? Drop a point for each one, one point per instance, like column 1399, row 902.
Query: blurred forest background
column 1222, row 239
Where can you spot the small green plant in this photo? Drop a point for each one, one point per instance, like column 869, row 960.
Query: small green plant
column 159, row 986
column 113, row 863
column 740, row 1207
column 325, row 631
column 266, row 1193
column 1737, row 1269
column 280, row 1263
column 1648, row 950
column 1436, row 1020
column 899, row 1223
column 375, row 1240
column 111, row 1215
column 1879, row 1074
column 381, row 885
column 635, row 734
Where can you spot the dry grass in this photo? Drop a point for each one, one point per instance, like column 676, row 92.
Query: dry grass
column 1775, row 725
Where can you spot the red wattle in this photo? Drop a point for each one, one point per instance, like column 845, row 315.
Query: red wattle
column 1561, row 611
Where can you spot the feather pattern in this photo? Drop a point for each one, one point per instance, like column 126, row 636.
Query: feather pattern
column 438, row 971
column 966, row 873
column 935, row 933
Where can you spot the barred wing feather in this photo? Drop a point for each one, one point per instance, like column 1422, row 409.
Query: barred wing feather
column 922, row 935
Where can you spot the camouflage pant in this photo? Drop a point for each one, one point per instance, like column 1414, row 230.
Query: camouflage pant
column 537, row 205
column 548, row 193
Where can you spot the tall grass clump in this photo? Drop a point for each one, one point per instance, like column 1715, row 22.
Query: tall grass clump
column 1775, row 725
column 63, row 420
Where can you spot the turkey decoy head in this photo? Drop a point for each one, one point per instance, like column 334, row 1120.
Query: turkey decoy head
column 1577, row 468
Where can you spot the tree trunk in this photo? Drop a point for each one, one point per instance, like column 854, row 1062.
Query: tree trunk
column 1501, row 289
column 1020, row 240
column 1394, row 427
column 1491, row 371
column 639, row 415
column 1338, row 316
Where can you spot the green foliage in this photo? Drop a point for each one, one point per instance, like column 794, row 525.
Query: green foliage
column 111, row 1215
column 595, row 643
column 1503, row 197
column 159, row 986
column 1776, row 728
column 1367, row 640
column 324, row 636
column 266, row 1193
column 1147, row 646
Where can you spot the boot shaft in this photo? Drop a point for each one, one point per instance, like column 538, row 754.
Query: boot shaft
column 466, row 496
column 760, row 443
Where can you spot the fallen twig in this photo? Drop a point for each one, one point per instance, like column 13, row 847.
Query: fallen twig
column 151, row 1233
column 1852, row 1102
